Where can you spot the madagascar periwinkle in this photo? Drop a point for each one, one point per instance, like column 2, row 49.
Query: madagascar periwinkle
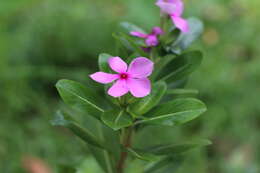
column 150, row 39
column 149, row 92
column 133, row 79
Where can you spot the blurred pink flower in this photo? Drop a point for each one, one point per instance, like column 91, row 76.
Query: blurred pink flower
column 150, row 39
column 174, row 8
column 132, row 78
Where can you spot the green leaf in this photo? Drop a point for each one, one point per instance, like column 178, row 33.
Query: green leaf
column 181, row 66
column 176, row 155
column 80, row 97
column 120, row 49
column 182, row 92
column 145, row 104
column 173, row 149
column 103, row 158
column 88, row 164
column 186, row 39
column 168, row 164
column 130, row 43
column 110, row 138
column 116, row 119
column 103, row 62
column 159, row 66
column 131, row 27
column 142, row 155
column 175, row 112
column 62, row 119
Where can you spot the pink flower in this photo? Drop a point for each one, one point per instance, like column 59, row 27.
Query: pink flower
column 150, row 39
column 174, row 8
column 132, row 78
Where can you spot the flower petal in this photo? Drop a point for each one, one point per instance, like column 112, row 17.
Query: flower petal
column 140, row 67
column 151, row 40
column 118, row 89
column 166, row 7
column 139, row 87
column 181, row 23
column 104, row 78
column 117, row 64
column 179, row 7
column 138, row 34
column 157, row 31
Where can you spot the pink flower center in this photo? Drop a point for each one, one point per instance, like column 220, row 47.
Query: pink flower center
column 123, row 76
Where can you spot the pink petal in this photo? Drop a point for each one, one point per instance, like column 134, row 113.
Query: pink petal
column 179, row 7
column 140, row 67
column 171, row 1
column 166, row 7
column 118, row 89
column 117, row 64
column 139, row 87
column 151, row 41
column 157, row 31
column 180, row 23
column 104, row 78
column 138, row 34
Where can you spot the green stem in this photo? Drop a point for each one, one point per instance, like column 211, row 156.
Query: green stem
column 126, row 142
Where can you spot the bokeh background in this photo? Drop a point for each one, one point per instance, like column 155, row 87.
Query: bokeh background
column 42, row 41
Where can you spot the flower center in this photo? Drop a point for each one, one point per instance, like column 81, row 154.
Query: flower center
column 123, row 76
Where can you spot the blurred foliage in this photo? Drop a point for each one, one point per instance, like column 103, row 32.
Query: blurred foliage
column 43, row 41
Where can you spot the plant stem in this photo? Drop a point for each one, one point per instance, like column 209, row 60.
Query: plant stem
column 126, row 143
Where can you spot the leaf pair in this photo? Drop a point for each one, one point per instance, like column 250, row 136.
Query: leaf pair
column 172, row 113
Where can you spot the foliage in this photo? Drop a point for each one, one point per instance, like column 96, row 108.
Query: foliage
column 40, row 40
column 127, row 115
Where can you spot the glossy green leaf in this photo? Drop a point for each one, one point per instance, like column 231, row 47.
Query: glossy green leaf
column 80, row 97
column 175, row 112
column 116, row 119
column 173, row 149
column 145, row 104
column 103, row 62
column 186, row 39
column 181, row 66
column 84, row 134
column 159, row 66
column 131, row 27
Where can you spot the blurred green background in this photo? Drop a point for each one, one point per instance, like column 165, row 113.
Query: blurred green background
column 42, row 41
